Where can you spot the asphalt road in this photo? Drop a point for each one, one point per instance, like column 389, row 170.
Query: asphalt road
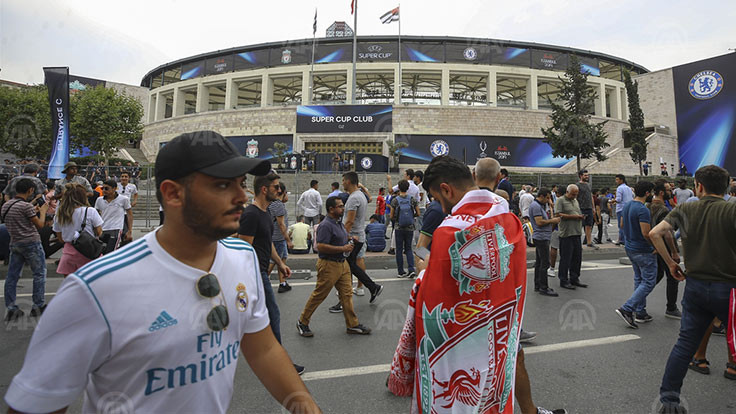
column 584, row 359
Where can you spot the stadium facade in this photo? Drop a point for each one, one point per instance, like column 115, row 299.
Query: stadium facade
column 467, row 97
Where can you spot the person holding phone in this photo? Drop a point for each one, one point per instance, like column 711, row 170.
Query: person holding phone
column 30, row 172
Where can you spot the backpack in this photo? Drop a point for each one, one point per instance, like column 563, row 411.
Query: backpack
column 406, row 215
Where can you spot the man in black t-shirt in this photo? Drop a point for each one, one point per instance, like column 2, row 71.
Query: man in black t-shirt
column 256, row 228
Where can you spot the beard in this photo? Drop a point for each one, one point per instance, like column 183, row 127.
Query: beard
column 199, row 218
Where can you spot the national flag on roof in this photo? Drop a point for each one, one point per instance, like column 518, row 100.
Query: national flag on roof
column 314, row 26
column 352, row 6
column 390, row 16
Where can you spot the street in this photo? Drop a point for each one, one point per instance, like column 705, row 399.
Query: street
column 584, row 358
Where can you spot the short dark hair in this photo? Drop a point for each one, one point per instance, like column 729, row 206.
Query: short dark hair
column 263, row 181
column 714, row 178
column 504, row 172
column 375, row 217
column 659, row 185
column 543, row 192
column 403, row 185
column 410, row 172
column 125, row 173
column 642, row 187
column 445, row 169
column 621, row 177
column 581, row 172
column 112, row 183
column 351, row 176
column 331, row 202
column 335, row 185
column 31, row 168
column 380, row 190
column 23, row 185
column 420, row 174
column 313, row 183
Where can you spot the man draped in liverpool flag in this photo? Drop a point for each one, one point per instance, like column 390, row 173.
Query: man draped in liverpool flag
column 458, row 348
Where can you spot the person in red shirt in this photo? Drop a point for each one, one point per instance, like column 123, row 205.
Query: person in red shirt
column 381, row 205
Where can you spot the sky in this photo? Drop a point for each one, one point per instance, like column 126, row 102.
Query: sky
column 121, row 41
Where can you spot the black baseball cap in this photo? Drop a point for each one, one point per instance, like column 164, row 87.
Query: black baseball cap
column 206, row 152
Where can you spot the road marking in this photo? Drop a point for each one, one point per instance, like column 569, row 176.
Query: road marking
column 377, row 369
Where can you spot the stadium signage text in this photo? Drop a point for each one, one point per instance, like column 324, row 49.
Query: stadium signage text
column 343, row 118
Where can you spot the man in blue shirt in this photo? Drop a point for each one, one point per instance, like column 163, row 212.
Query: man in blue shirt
column 636, row 225
column 623, row 197
column 375, row 233
column 543, row 226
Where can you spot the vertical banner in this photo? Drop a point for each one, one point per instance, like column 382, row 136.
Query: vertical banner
column 57, row 82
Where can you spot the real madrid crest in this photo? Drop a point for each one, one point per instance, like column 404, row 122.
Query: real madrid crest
column 438, row 148
column 241, row 299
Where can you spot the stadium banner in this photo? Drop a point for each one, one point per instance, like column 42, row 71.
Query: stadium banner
column 257, row 146
column 509, row 151
column 291, row 54
column 705, row 104
column 468, row 52
column 344, row 118
column 422, row 52
column 192, row 70
column 378, row 52
column 250, row 60
column 57, row 83
column 510, row 56
column 371, row 163
column 589, row 66
column 549, row 60
column 219, row 64
column 333, row 52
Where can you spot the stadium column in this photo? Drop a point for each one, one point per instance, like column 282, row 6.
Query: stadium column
column 397, row 86
column 231, row 94
column 445, row 91
column 152, row 107
column 306, row 99
column 615, row 103
column 349, row 87
column 532, row 93
column 203, row 98
column 266, row 91
column 160, row 106
column 491, row 88
column 600, row 102
column 624, row 105
column 178, row 108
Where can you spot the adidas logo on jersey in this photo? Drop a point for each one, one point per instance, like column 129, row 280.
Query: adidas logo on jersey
column 164, row 320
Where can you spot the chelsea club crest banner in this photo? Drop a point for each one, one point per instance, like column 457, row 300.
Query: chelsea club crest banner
column 57, row 82
column 705, row 102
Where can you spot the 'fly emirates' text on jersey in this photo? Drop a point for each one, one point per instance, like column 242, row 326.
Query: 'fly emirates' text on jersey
column 130, row 330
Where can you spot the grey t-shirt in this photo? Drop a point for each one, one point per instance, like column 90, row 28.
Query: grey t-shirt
column 358, row 203
column 278, row 209
column 683, row 194
column 585, row 196
column 540, row 232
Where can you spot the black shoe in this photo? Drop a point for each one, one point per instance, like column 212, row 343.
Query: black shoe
column 548, row 292
column 541, row 410
column 401, row 275
column 567, row 285
column 359, row 330
column 578, row 284
column 304, row 330
column 643, row 317
column 375, row 294
column 336, row 309
column 719, row 330
column 299, row 369
column 674, row 314
column 391, row 251
column 35, row 311
column 13, row 314
column 285, row 287
column 536, row 289
column 412, row 275
column 628, row 317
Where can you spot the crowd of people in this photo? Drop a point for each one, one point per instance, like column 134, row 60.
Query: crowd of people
column 462, row 234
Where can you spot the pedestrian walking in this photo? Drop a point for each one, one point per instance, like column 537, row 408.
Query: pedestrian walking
column 115, row 210
column 73, row 216
column 311, row 203
column 623, row 196
column 403, row 210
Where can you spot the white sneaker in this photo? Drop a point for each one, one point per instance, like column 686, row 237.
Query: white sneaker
column 551, row 272
column 360, row 291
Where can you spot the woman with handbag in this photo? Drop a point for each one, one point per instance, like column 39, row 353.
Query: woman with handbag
column 76, row 223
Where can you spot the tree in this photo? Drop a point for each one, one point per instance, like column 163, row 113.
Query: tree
column 394, row 152
column 25, row 116
column 637, row 134
column 572, row 134
column 278, row 151
column 104, row 120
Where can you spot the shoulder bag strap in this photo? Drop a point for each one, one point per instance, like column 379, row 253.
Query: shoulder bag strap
column 8, row 210
column 84, row 220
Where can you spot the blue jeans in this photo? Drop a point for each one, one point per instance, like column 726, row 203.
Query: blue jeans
column 701, row 302
column 621, row 237
column 273, row 308
column 645, row 278
column 21, row 253
column 403, row 244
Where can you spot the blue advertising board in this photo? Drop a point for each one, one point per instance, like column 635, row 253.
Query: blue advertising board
column 344, row 118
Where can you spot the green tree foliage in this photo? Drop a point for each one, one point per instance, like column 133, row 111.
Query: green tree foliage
column 25, row 117
column 394, row 151
column 572, row 134
column 104, row 120
column 637, row 133
column 278, row 151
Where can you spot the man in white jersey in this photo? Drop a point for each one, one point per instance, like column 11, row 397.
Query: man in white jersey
column 115, row 210
column 128, row 189
column 143, row 328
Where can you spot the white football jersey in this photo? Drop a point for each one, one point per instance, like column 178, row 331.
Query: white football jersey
column 129, row 330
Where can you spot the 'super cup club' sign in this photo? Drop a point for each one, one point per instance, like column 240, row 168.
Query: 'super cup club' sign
column 705, row 84
column 344, row 118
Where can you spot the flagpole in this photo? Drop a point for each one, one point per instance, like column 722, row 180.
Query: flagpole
column 400, row 86
column 311, row 70
column 355, row 47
